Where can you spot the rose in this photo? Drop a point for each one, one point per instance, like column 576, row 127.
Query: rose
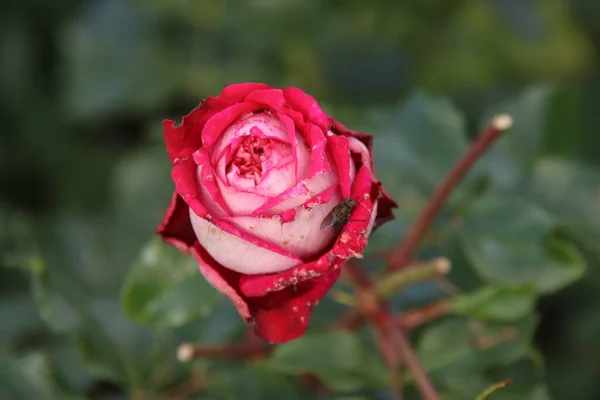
column 256, row 171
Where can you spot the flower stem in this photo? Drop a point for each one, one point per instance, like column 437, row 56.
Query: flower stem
column 402, row 255
column 396, row 280
column 417, row 317
column 424, row 384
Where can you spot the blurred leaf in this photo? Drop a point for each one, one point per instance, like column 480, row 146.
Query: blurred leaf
column 422, row 140
column 511, row 160
column 253, row 382
column 340, row 360
column 501, row 344
column 165, row 288
column 100, row 354
column 20, row 321
column 498, row 302
column 568, row 190
column 510, row 241
column 54, row 309
column 32, row 377
column 474, row 344
column 113, row 61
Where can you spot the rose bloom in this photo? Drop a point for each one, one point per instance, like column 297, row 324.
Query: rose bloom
column 256, row 171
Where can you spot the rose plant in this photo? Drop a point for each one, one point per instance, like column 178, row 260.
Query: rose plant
column 256, row 171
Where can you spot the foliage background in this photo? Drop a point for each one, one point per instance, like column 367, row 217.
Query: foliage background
column 84, row 180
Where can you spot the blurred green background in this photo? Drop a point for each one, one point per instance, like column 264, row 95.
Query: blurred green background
column 84, row 180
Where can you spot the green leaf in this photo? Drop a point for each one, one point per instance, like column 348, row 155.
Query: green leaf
column 113, row 62
column 56, row 311
column 339, row 359
column 501, row 344
column 165, row 288
column 569, row 190
column 254, row 382
column 423, row 140
column 101, row 355
column 456, row 342
column 32, row 377
column 498, row 303
column 511, row 241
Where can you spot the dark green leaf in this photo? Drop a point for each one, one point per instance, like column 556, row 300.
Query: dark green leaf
column 55, row 310
column 32, row 377
column 511, row 241
column 339, row 359
column 498, row 303
column 101, row 355
column 165, row 288
column 423, row 140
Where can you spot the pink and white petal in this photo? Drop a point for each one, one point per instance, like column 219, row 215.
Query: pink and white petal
column 240, row 252
column 319, row 156
column 220, row 122
column 302, row 192
column 277, row 179
column 176, row 228
column 299, row 148
column 211, row 195
column 339, row 148
column 288, row 314
column 261, row 125
column 262, row 285
column 301, row 236
column 220, row 278
column 308, row 106
column 240, row 202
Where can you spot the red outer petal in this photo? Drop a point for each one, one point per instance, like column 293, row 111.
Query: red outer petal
column 308, row 106
column 222, row 279
column 386, row 202
column 353, row 239
column 285, row 315
column 261, row 285
column 186, row 184
column 176, row 228
column 187, row 134
column 338, row 146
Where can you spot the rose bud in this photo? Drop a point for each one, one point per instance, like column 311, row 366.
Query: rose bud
column 258, row 172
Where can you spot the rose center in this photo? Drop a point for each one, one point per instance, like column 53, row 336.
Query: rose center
column 250, row 156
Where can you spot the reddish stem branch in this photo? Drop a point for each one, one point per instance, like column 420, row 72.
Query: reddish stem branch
column 424, row 384
column 415, row 318
column 402, row 255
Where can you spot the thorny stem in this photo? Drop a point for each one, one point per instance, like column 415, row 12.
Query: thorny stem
column 402, row 255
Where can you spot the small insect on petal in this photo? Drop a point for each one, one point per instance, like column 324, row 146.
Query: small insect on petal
column 339, row 215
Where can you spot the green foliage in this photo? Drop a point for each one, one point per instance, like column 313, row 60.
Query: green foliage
column 94, row 307
column 340, row 360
